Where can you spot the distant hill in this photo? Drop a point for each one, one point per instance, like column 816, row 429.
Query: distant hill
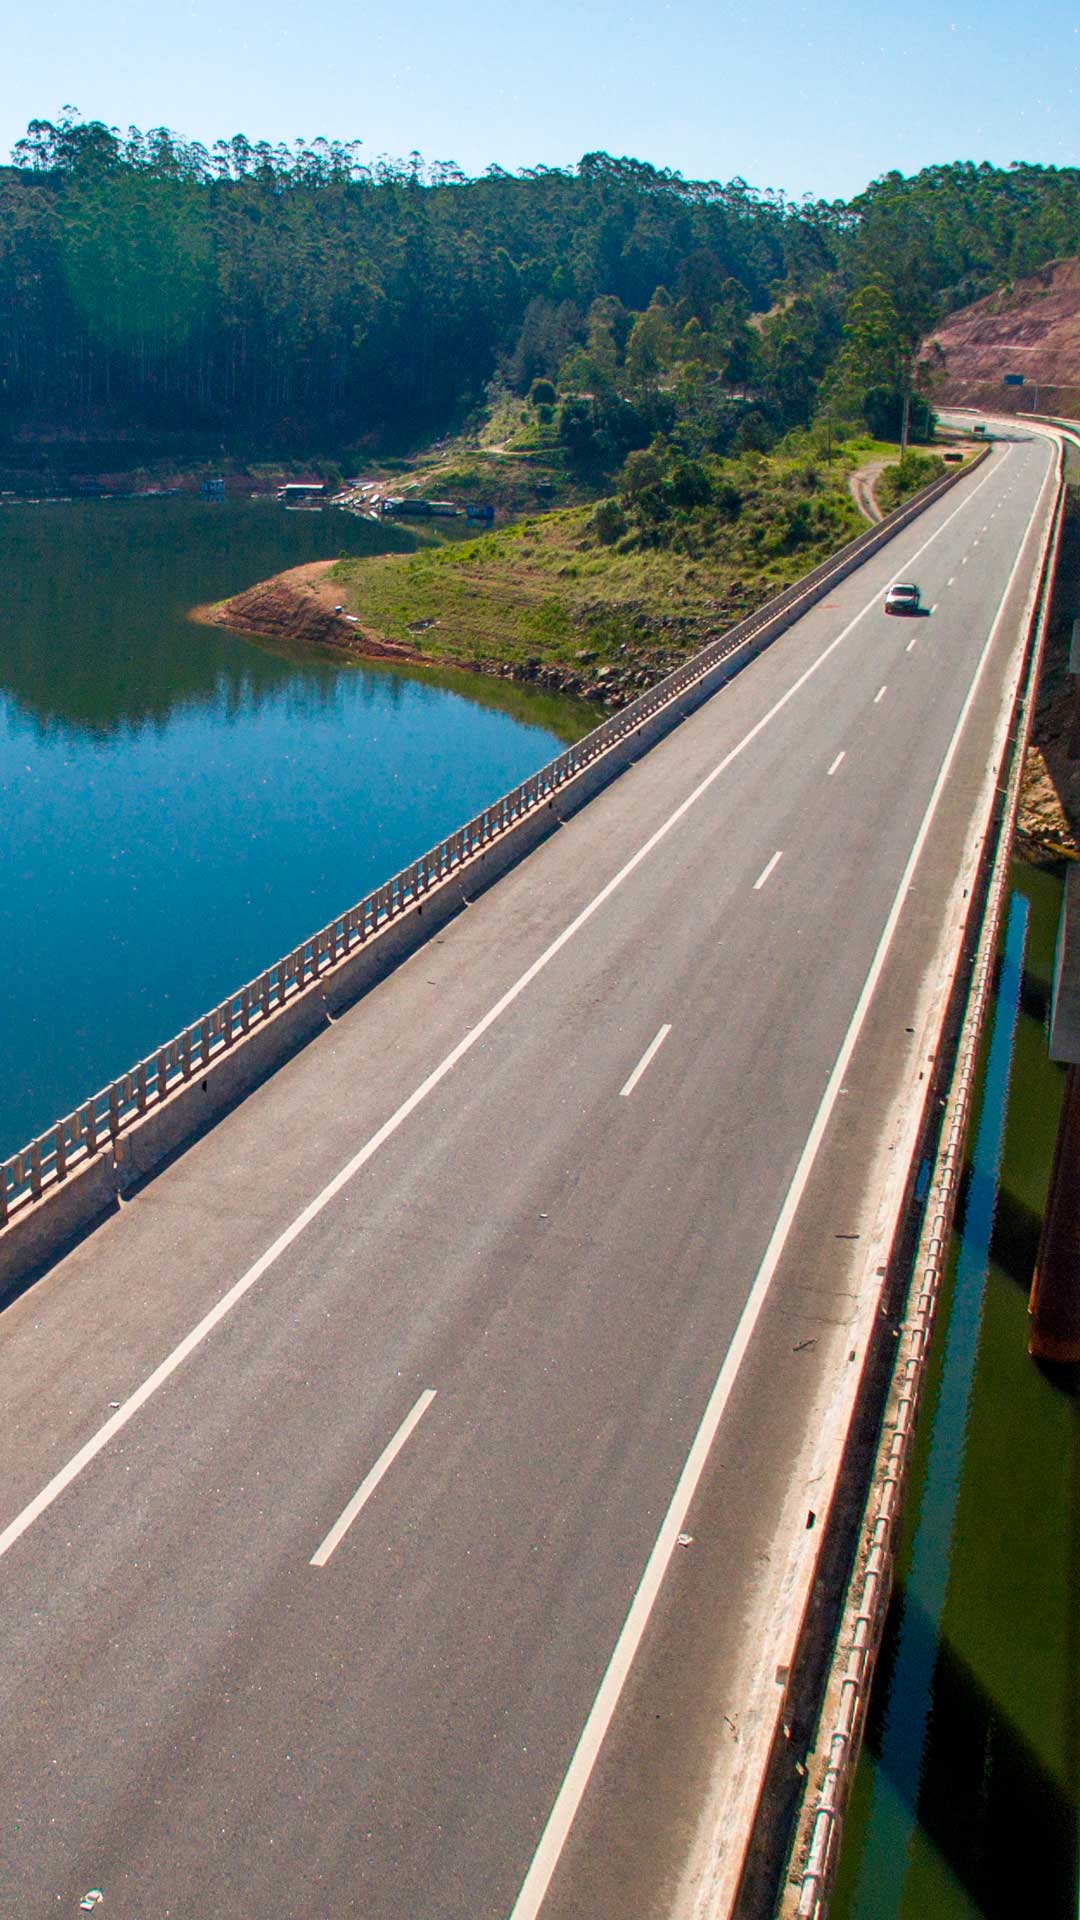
column 1031, row 327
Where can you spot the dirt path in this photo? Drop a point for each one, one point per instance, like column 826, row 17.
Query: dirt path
column 862, row 483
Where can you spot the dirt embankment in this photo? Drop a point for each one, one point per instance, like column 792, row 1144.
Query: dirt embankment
column 1032, row 328
column 301, row 608
column 1048, row 825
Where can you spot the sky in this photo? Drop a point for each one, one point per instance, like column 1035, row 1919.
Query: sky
column 816, row 99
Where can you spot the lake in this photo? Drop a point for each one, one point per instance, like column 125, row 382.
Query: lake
column 181, row 805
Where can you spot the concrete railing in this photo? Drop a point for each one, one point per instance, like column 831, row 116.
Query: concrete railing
column 321, row 973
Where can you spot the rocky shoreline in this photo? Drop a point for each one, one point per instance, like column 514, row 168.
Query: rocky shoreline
column 300, row 607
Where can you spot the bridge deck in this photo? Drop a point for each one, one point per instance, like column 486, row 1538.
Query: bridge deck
column 196, row 1718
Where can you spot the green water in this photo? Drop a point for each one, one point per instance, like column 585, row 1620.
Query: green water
column 178, row 806
column 965, row 1801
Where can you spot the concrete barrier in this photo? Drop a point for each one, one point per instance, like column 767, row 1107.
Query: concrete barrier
column 192, row 1106
column 40, row 1232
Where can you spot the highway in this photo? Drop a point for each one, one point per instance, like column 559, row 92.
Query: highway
column 452, row 1402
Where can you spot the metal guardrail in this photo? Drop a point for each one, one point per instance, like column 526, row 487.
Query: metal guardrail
column 106, row 1116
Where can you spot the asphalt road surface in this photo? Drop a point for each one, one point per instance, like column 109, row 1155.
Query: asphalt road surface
column 316, row 1626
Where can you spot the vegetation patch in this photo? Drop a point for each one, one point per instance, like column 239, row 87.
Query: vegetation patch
column 602, row 599
column 905, row 477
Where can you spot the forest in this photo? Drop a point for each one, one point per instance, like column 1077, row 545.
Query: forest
column 301, row 297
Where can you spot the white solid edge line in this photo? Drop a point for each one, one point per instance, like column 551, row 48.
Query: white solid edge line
column 764, row 874
column 880, row 694
column 646, row 1060
column 553, row 1839
column 368, row 1485
column 836, row 763
column 219, row 1311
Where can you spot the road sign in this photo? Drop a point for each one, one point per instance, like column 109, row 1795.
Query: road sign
column 1012, row 380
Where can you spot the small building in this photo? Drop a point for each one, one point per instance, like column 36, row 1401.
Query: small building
column 296, row 493
column 213, row 488
column 479, row 510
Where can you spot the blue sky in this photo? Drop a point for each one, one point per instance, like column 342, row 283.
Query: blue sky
column 809, row 99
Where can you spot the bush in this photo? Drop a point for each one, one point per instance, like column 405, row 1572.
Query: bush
column 899, row 482
column 542, row 393
column 609, row 522
column 689, row 484
column 642, row 472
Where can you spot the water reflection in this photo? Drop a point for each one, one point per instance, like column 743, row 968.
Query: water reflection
column 93, row 633
column 180, row 805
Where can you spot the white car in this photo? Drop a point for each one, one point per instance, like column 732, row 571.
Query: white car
column 903, row 598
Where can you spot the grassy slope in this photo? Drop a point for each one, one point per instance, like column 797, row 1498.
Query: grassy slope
column 515, row 462
column 545, row 599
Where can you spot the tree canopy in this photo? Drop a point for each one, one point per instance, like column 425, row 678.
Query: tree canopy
column 149, row 283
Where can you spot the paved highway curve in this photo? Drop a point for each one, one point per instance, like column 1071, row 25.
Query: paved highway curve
column 335, row 1460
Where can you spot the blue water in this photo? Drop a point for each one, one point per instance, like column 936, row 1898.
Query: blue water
column 178, row 805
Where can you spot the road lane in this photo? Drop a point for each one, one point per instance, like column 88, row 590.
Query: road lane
column 372, row 1480
column 569, row 1269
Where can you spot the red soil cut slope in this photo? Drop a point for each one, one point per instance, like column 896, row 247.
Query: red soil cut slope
column 1031, row 327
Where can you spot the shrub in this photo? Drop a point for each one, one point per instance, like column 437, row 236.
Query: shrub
column 641, row 473
column 689, row 484
column 608, row 522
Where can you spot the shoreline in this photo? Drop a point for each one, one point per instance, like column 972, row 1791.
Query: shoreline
column 300, row 606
